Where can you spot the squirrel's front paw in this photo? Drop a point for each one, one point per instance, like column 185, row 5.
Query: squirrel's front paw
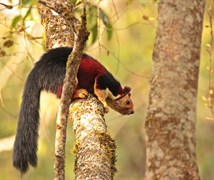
column 81, row 93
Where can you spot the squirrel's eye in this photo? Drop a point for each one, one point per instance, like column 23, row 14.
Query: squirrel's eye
column 128, row 102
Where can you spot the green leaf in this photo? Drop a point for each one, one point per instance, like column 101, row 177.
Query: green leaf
column 92, row 22
column 95, row 12
column 106, row 21
column 109, row 31
column 16, row 20
column 94, row 33
column 26, row 2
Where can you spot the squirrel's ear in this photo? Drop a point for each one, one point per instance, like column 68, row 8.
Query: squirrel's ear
column 126, row 90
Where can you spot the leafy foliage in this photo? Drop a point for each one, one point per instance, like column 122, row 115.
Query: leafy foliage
column 96, row 14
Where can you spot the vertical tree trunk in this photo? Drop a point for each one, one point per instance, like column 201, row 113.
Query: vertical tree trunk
column 171, row 114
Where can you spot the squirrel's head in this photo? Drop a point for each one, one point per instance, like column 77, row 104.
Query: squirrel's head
column 122, row 104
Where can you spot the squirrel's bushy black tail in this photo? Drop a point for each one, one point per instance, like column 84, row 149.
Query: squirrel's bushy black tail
column 48, row 74
column 25, row 146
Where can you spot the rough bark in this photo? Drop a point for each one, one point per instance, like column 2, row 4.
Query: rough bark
column 58, row 33
column 94, row 149
column 171, row 113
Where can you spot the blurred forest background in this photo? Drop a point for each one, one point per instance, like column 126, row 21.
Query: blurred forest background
column 122, row 38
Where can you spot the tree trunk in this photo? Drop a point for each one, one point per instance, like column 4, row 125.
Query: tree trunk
column 171, row 114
